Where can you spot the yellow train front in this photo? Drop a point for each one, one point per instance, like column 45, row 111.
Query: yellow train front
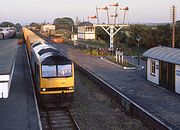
column 53, row 73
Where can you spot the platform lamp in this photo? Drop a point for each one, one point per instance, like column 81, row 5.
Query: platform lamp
column 138, row 38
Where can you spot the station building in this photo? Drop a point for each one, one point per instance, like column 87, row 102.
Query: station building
column 86, row 30
column 163, row 67
column 49, row 28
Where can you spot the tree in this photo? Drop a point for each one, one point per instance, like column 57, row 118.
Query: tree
column 36, row 25
column 101, row 34
column 165, row 34
column 18, row 26
column 177, row 43
column 64, row 23
column 7, row 24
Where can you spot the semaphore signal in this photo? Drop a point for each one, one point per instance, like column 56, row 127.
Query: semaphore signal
column 111, row 28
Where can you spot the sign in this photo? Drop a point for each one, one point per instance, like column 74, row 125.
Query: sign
column 157, row 66
column 178, row 72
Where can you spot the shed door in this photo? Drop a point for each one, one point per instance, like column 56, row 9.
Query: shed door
column 167, row 75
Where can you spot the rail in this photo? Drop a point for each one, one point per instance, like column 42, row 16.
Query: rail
column 54, row 117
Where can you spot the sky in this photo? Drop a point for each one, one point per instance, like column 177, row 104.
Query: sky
column 141, row 11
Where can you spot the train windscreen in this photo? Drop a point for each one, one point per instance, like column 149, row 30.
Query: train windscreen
column 49, row 71
column 64, row 70
column 52, row 71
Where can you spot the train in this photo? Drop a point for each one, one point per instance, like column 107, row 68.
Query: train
column 53, row 73
column 7, row 32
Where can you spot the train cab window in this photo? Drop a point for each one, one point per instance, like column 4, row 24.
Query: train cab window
column 64, row 70
column 49, row 71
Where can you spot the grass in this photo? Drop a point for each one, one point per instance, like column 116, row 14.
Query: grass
column 132, row 51
column 93, row 42
column 124, row 64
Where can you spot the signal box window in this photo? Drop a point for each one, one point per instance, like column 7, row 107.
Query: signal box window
column 153, row 68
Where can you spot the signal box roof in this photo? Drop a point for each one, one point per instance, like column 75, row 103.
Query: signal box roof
column 85, row 24
column 166, row 54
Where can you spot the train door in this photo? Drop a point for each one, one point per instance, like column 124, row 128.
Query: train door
column 163, row 74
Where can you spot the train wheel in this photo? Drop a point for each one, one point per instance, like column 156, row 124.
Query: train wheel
column 1, row 36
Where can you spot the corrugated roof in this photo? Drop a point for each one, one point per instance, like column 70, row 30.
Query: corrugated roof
column 166, row 54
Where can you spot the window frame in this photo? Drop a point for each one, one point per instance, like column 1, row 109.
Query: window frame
column 153, row 67
column 57, row 72
column 49, row 76
column 64, row 65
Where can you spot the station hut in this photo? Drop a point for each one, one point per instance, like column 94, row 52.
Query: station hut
column 49, row 28
column 86, row 30
column 163, row 67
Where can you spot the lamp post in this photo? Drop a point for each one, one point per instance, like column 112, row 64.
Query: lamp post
column 138, row 38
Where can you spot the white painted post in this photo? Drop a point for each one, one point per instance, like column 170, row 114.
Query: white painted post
column 111, row 37
column 116, row 56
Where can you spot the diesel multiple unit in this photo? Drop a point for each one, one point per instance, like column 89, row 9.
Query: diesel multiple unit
column 53, row 73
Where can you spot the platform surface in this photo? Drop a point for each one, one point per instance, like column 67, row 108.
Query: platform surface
column 18, row 111
column 158, row 102
column 8, row 49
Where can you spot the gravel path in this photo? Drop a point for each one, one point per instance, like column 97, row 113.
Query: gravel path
column 94, row 109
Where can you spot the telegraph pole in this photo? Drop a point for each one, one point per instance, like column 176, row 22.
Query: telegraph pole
column 173, row 18
column 97, row 15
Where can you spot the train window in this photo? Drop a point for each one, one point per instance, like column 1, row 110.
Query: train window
column 64, row 70
column 49, row 71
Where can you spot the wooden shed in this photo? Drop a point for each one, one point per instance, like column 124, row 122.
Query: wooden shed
column 163, row 67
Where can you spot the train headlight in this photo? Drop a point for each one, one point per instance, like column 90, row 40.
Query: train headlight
column 44, row 89
column 70, row 88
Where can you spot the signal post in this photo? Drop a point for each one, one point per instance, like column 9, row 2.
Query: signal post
column 111, row 28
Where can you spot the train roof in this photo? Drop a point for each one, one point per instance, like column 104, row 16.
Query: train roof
column 53, row 58
column 32, row 36
column 49, row 55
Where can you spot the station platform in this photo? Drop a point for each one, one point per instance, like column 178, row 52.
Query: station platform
column 18, row 111
column 8, row 49
column 161, row 104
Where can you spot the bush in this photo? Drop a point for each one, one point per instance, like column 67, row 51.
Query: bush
column 94, row 52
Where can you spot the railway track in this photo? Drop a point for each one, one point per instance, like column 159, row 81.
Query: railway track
column 127, row 105
column 54, row 117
